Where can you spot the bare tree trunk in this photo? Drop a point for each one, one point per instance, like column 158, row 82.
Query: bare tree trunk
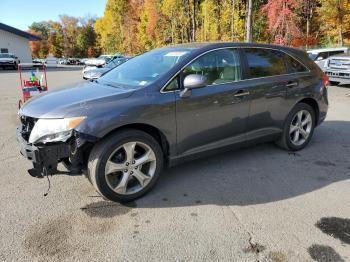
column 307, row 31
column 232, row 20
column 249, row 33
column 205, row 22
column 194, row 27
column 340, row 22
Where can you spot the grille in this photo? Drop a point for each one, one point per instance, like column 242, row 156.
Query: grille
column 339, row 63
column 27, row 126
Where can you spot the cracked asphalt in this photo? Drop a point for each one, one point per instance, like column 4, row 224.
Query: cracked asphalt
column 255, row 204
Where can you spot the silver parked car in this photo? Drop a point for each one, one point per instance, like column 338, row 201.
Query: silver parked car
column 338, row 69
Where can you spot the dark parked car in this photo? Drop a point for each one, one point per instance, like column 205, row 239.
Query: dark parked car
column 173, row 104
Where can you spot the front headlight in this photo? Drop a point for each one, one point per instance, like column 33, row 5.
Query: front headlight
column 54, row 130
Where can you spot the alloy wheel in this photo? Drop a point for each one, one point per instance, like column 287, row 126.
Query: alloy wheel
column 130, row 168
column 300, row 127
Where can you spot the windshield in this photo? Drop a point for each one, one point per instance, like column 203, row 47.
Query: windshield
column 105, row 57
column 312, row 56
column 144, row 69
column 4, row 55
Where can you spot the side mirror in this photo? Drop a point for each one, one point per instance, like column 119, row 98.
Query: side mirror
column 194, row 81
column 319, row 58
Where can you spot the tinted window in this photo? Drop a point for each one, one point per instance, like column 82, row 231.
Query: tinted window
column 294, row 66
column 220, row 66
column 312, row 56
column 265, row 62
column 173, row 85
column 324, row 55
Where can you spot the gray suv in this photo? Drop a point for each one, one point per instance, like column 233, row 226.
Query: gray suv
column 170, row 105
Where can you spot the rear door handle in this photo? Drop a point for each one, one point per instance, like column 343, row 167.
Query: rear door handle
column 292, row 84
column 241, row 93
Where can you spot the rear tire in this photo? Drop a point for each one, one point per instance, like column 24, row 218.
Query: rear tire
column 298, row 128
column 126, row 165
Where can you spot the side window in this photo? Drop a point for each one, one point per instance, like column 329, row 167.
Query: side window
column 324, row 55
column 294, row 66
column 265, row 62
column 173, row 85
column 220, row 66
column 4, row 50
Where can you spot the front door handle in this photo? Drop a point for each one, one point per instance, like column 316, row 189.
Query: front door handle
column 241, row 93
column 292, row 84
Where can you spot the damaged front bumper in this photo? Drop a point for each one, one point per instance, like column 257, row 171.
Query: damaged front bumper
column 45, row 157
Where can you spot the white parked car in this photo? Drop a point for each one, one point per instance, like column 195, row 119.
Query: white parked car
column 337, row 68
column 319, row 56
column 99, row 62
column 8, row 60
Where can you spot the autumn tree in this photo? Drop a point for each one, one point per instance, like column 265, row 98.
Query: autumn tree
column 334, row 19
column 86, row 38
column 282, row 20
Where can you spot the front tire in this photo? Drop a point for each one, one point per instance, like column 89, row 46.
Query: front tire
column 126, row 165
column 298, row 128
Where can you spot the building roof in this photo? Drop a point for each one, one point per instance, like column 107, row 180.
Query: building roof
column 18, row 32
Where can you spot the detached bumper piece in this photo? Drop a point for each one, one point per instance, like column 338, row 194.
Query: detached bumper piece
column 45, row 158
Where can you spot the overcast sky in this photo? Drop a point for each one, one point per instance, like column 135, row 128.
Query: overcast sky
column 22, row 13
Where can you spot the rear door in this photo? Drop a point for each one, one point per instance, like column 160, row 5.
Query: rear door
column 268, row 79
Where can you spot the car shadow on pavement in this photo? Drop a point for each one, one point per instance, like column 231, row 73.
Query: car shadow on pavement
column 256, row 175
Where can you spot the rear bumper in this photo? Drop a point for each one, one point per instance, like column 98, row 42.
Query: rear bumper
column 45, row 158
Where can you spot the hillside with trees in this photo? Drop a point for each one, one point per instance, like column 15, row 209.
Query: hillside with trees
column 135, row 26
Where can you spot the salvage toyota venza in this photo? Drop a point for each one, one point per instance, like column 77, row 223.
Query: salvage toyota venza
column 173, row 104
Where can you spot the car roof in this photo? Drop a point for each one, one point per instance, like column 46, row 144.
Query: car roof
column 313, row 51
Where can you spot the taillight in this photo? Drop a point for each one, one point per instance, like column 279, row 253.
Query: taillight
column 325, row 80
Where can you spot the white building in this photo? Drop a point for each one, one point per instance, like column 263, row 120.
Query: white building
column 15, row 41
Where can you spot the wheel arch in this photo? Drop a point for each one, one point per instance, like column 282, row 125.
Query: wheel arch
column 157, row 134
column 313, row 103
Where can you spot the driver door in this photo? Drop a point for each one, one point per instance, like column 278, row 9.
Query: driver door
column 215, row 115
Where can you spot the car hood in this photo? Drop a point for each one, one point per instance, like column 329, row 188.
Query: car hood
column 95, row 62
column 79, row 100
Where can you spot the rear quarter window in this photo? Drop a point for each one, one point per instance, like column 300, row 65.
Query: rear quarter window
column 265, row 62
column 293, row 65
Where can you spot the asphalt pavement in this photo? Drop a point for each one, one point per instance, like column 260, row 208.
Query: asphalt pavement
column 256, row 204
